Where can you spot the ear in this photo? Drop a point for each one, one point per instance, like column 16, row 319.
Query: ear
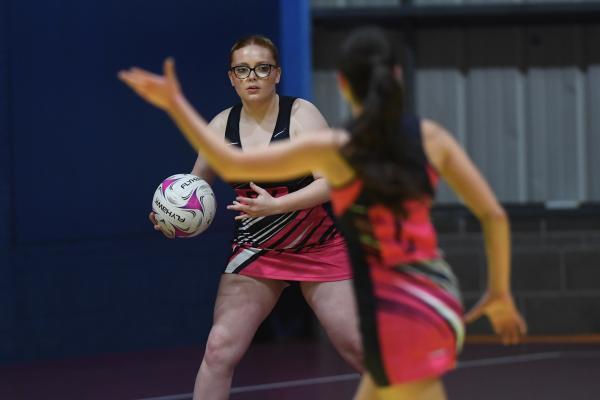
column 231, row 77
column 398, row 73
column 344, row 87
column 278, row 75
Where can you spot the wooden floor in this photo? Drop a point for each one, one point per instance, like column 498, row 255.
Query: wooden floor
column 297, row 370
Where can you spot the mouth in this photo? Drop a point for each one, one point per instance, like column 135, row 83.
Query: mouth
column 252, row 88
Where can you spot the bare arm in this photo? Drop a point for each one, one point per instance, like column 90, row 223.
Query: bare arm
column 305, row 118
column 287, row 160
column 217, row 125
column 464, row 178
column 315, row 152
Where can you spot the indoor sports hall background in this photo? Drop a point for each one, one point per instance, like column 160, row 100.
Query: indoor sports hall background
column 82, row 273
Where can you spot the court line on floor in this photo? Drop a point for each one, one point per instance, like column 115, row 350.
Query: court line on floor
column 349, row 377
column 484, row 362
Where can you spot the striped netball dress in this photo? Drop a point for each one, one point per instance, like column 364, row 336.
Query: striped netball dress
column 408, row 298
column 302, row 245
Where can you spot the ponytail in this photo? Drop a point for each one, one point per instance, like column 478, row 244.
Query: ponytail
column 378, row 148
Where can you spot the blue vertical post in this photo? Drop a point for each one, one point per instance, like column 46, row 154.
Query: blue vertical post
column 5, row 136
column 8, row 344
column 295, row 48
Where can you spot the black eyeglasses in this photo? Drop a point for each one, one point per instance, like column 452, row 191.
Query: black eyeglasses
column 260, row 70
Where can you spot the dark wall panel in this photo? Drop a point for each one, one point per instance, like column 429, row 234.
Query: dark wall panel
column 81, row 270
column 88, row 152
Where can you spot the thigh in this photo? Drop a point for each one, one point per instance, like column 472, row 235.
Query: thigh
column 241, row 305
column 334, row 305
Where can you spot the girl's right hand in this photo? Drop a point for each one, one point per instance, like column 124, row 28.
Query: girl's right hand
column 158, row 227
column 158, row 90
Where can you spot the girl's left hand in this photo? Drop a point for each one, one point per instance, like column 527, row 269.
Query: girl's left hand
column 262, row 205
column 506, row 320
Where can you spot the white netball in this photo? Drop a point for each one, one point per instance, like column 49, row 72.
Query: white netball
column 185, row 205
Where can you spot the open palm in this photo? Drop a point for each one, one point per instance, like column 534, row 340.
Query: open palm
column 158, row 90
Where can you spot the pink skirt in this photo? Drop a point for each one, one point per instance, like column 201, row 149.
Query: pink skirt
column 327, row 262
column 411, row 322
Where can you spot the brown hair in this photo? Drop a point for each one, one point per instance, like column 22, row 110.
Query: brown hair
column 258, row 40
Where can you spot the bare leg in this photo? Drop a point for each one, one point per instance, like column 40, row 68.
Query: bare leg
column 334, row 305
column 427, row 389
column 366, row 389
column 242, row 304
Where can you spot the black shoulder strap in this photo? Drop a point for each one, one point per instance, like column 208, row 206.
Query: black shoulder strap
column 282, row 126
column 232, row 131
column 411, row 125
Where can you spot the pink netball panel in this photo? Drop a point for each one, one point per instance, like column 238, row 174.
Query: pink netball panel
column 166, row 183
column 194, row 203
column 184, row 204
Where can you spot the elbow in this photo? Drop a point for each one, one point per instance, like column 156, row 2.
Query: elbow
column 495, row 215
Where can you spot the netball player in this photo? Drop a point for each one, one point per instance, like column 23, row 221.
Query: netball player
column 283, row 233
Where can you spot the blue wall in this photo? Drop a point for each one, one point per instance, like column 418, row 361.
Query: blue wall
column 81, row 270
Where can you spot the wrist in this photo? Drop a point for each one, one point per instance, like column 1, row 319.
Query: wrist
column 278, row 205
column 499, row 293
column 176, row 101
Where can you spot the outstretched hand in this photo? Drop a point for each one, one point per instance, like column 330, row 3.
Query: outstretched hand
column 158, row 90
column 503, row 314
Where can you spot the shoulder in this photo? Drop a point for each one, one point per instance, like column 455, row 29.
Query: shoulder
column 431, row 130
column 219, row 122
column 306, row 117
column 302, row 105
column 437, row 141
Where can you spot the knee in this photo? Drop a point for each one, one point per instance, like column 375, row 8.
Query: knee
column 355, row 349
column 351, row 346
column 221, row 351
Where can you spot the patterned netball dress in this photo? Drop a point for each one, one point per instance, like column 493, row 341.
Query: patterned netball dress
column 408, row 298
column 302, row 245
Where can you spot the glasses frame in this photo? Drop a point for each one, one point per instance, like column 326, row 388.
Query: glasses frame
column 251, row 70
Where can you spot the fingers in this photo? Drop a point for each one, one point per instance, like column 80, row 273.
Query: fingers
column 158, row 227
column 237, row 206
column 134, row 81
column 522, row 326
column 245, row 200
column 152, row 218
column 137, row 78
column 245, row 210
column 258, row 189
column 511, row 334
column 508, row 336
column 169, row 68
column 474, row 313
column 129, row 78
column 170, row 235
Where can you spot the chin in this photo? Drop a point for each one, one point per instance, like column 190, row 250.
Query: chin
column 258, row 97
